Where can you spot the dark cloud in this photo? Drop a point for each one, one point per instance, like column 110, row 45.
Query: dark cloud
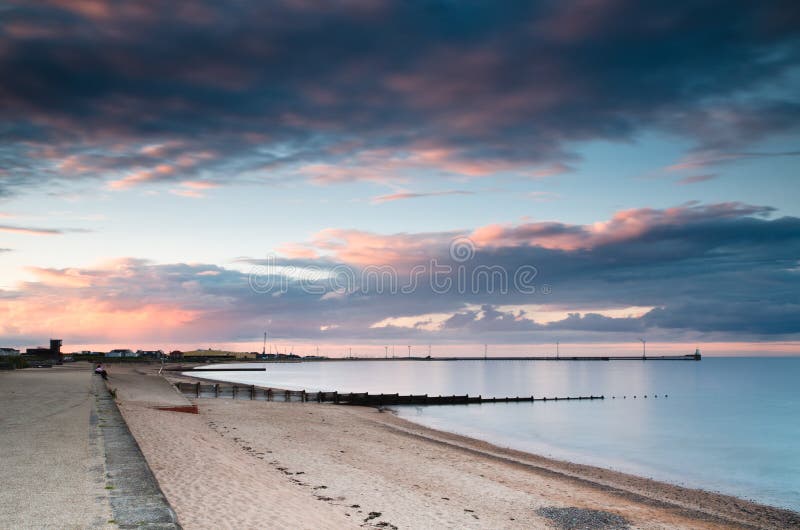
column 277, row 90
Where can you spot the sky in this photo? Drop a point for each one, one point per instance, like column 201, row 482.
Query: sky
column 378, row 173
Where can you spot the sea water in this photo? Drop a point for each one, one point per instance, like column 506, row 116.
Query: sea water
column 723, row 424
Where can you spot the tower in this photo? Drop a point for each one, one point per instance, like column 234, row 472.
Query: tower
column 55, row 347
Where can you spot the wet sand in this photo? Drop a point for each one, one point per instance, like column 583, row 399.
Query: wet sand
column 249, row 464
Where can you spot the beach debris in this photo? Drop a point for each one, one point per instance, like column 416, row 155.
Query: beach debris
column 372, row 515
column 573, row 518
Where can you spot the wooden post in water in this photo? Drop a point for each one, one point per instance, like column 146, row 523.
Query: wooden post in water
column 235, row 389
column 197, row 390
column 216, row 390
column 252, row 392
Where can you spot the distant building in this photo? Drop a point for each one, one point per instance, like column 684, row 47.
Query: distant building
column 53, row 352
column 176, row 355
column 218, row 354
column 122, row 353
column 9, row 352
column 150, row 354
column 267, row 356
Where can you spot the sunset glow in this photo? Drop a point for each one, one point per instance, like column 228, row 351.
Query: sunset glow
column 200, row 175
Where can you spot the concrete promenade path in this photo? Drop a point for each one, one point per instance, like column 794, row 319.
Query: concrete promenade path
column 59, row 433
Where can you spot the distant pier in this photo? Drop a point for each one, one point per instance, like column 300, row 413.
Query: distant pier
column 696, row 356
column 691, row 357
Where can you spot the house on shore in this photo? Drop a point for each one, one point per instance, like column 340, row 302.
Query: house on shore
column 119, row 353
column 217, row 355
column 150, row 354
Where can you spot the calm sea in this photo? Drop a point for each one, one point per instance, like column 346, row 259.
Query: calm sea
column 728, row 424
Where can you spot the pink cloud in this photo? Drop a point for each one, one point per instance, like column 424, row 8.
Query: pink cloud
column 189, row 194
column 106, row 302
column 578, row 20
column 146, row 175
column 399, row 166
column 297, row 251
column 701, row 160
column 623, row 225
column 408, row 195
column 694, row 179
column 365, row 248
column 193, row 189
column 199, row 185
column 93, row 9
column 704, row 159
column 88, row 317
column 29, row 231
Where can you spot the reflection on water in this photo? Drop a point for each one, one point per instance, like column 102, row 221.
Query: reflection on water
column 729, row 424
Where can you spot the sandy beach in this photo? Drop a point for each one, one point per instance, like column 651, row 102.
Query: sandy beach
column 248, row 464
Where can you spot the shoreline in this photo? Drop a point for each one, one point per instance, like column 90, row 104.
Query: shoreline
column 597, row 469
column 490, row 480
column 634, row 487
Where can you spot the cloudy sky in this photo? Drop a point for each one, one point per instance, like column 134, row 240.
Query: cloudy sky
column 390, row 172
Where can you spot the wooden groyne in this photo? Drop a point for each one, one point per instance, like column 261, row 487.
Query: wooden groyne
column 252, row 392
